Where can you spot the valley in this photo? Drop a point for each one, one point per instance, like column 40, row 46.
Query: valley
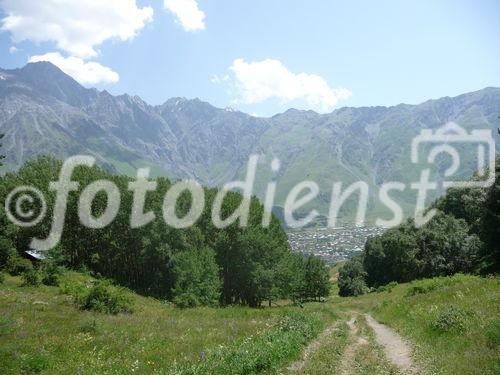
column 242, row 188
column 332, row 244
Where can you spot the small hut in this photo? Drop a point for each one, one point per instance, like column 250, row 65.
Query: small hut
column 34, row 255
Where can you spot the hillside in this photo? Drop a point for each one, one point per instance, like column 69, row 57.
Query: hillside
column 450, row 324
column 44, row 111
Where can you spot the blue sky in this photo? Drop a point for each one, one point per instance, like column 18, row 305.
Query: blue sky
column 316, row 55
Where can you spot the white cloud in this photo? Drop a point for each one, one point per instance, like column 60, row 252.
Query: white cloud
column 258, row 81
column 76, row 27
column 216, row 79
column 187, row 12
column 84, row 72
column 13, row 49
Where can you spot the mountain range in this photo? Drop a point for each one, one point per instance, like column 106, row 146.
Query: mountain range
column 45, row 111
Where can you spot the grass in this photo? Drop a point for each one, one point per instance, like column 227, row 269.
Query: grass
column 42, row 330
column 328, row 357
column 369, row 358
column 452, row 324
column 263, row 352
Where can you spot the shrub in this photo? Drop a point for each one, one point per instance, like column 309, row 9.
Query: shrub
column 423, row 286
column 387, row 288
column 17, row 266
column 73, row 289
column 493, row 334
column 102, row 298
column 51, row 274
column 419, row 289
column 429, row 285
column 31, row 278
column 2, row 277
column 454, row 319
column 295, row 322
column 50, row 279
column 7, row 251
column 186, row 300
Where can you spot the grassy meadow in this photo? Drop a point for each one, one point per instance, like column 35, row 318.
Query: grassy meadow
column 451, row 323
column 43, row 331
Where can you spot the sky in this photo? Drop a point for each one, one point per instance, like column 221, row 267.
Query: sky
column 262, row 57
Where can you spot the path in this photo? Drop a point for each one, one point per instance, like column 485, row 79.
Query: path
column 311, row 348
column 348, row 358
column 361, row 355
column 395, row 348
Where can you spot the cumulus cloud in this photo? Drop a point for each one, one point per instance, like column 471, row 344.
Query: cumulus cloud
column 84, row 72
column 13, row 49
column 187, row 12
column 256, row 82
column 76, row 27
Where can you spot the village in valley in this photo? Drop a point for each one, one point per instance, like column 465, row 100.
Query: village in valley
column 332, row 244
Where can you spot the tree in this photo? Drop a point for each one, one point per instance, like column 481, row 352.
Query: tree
column 391, row 256
column 491, row 227
column 290, row 277
column 196, row 278
column 352, row 278
column 7, row 231
column 446, row 246
column 316, row 278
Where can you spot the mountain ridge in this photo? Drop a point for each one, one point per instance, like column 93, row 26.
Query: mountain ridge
column 43, row 110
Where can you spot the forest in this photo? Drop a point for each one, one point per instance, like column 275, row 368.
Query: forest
column 198, row 265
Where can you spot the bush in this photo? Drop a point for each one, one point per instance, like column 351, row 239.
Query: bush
column 102, row 298
column 296, row 322
column 454, row 319
column 31, row 278
column 7, row 251
column 2, row 277
column 73, row 289
column 186, row 300
column 50, row 279
column 386, row 288
column 51, row 274
column 429, row 285
column 420, row 289
column 17, row 266
column 493, row 334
